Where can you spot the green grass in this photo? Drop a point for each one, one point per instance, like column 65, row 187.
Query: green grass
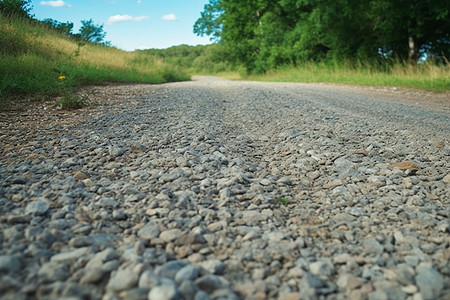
column 428, row 76
column 283, row 201
column 32, row 57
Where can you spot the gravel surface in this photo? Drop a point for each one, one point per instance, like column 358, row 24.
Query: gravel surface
column 213, row 189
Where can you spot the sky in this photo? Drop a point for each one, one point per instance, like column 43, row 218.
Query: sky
column 131, row 24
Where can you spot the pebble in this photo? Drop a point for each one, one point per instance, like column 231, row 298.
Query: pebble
column 429, row 281
column 446, row 178
column 70, row 256
column 123, row 279
column 322, row 267
column 37, row 208
column 170, row 235
column 9, row 264
column 173, row 192
column 149, row 231
column 164, row 292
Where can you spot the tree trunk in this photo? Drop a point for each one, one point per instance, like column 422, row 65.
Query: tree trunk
column 412, row 52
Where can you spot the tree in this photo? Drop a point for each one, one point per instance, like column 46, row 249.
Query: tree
column 410, row 28
column 21, row 8
column 92, row 33
column 210, row 21
column 264, row 34
column 65, row 28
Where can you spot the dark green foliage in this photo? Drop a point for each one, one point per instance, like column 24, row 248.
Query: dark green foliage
column 92, row 33
column 210, row 22
column 266, row 34
column 65, row 28
column 18, row 8
column 198, row 59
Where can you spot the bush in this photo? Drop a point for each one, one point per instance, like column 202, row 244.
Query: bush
column 19, row 8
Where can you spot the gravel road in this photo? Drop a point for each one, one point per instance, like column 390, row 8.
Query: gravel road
column 214, row 189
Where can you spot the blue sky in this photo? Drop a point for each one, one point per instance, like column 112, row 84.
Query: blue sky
column 131, row 24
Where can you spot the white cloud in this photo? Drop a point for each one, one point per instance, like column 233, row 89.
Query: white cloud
column 169, row 17
column 58, row 3
column 139, row 1
column 124, row 18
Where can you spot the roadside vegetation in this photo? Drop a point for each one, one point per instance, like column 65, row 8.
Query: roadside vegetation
column 382, row 42
column 276, row 44
column 40, row 60
column 427, row 76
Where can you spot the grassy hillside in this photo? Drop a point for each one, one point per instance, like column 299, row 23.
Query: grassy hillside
column 38, row 61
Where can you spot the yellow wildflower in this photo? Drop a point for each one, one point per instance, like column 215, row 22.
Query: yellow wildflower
column 62, row 77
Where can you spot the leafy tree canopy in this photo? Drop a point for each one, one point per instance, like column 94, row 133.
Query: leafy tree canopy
column 21, row 8
column 66, row 28
column 262, row 34
column 92, row 33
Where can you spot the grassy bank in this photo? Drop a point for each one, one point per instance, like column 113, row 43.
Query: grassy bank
column 427, row 76
column 33, row 59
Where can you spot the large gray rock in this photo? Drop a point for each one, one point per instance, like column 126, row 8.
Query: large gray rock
column 9, row 264
column 429, row 281
column 149, row 231
column 37, row 208
column 123, row 279
column 164, row 292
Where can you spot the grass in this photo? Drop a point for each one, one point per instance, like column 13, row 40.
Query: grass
column 33, row 57
column 428, row 76
column 283, row 201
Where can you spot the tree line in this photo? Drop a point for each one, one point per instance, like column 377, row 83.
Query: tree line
column 89, row 31
column 264, row 34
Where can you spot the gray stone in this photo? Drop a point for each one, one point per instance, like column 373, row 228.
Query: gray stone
column 372, row 247
column 430, row 282
column 188, row 272
column 71, row 256
column 123, row 279
column 265, row 182
column 171, row 268
column 149, row 280
column 224, row 294
column 137, row 294
column 310, row 285
column 201, row 295
column 37, row 208
column 348, row 281
column 9, row 264
column 92, row 275
column 116, row 151
column 210, row 283
column 164, row 292
column 412, row 260
column 323, row 267
column 342, row 258
column 98, row 260
column 149, row 231
column 354, row 211
column 107, row 202
column 51, row 272
column 188, row 289
column 253, row 217
column 214, row 266
column 170, row 235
